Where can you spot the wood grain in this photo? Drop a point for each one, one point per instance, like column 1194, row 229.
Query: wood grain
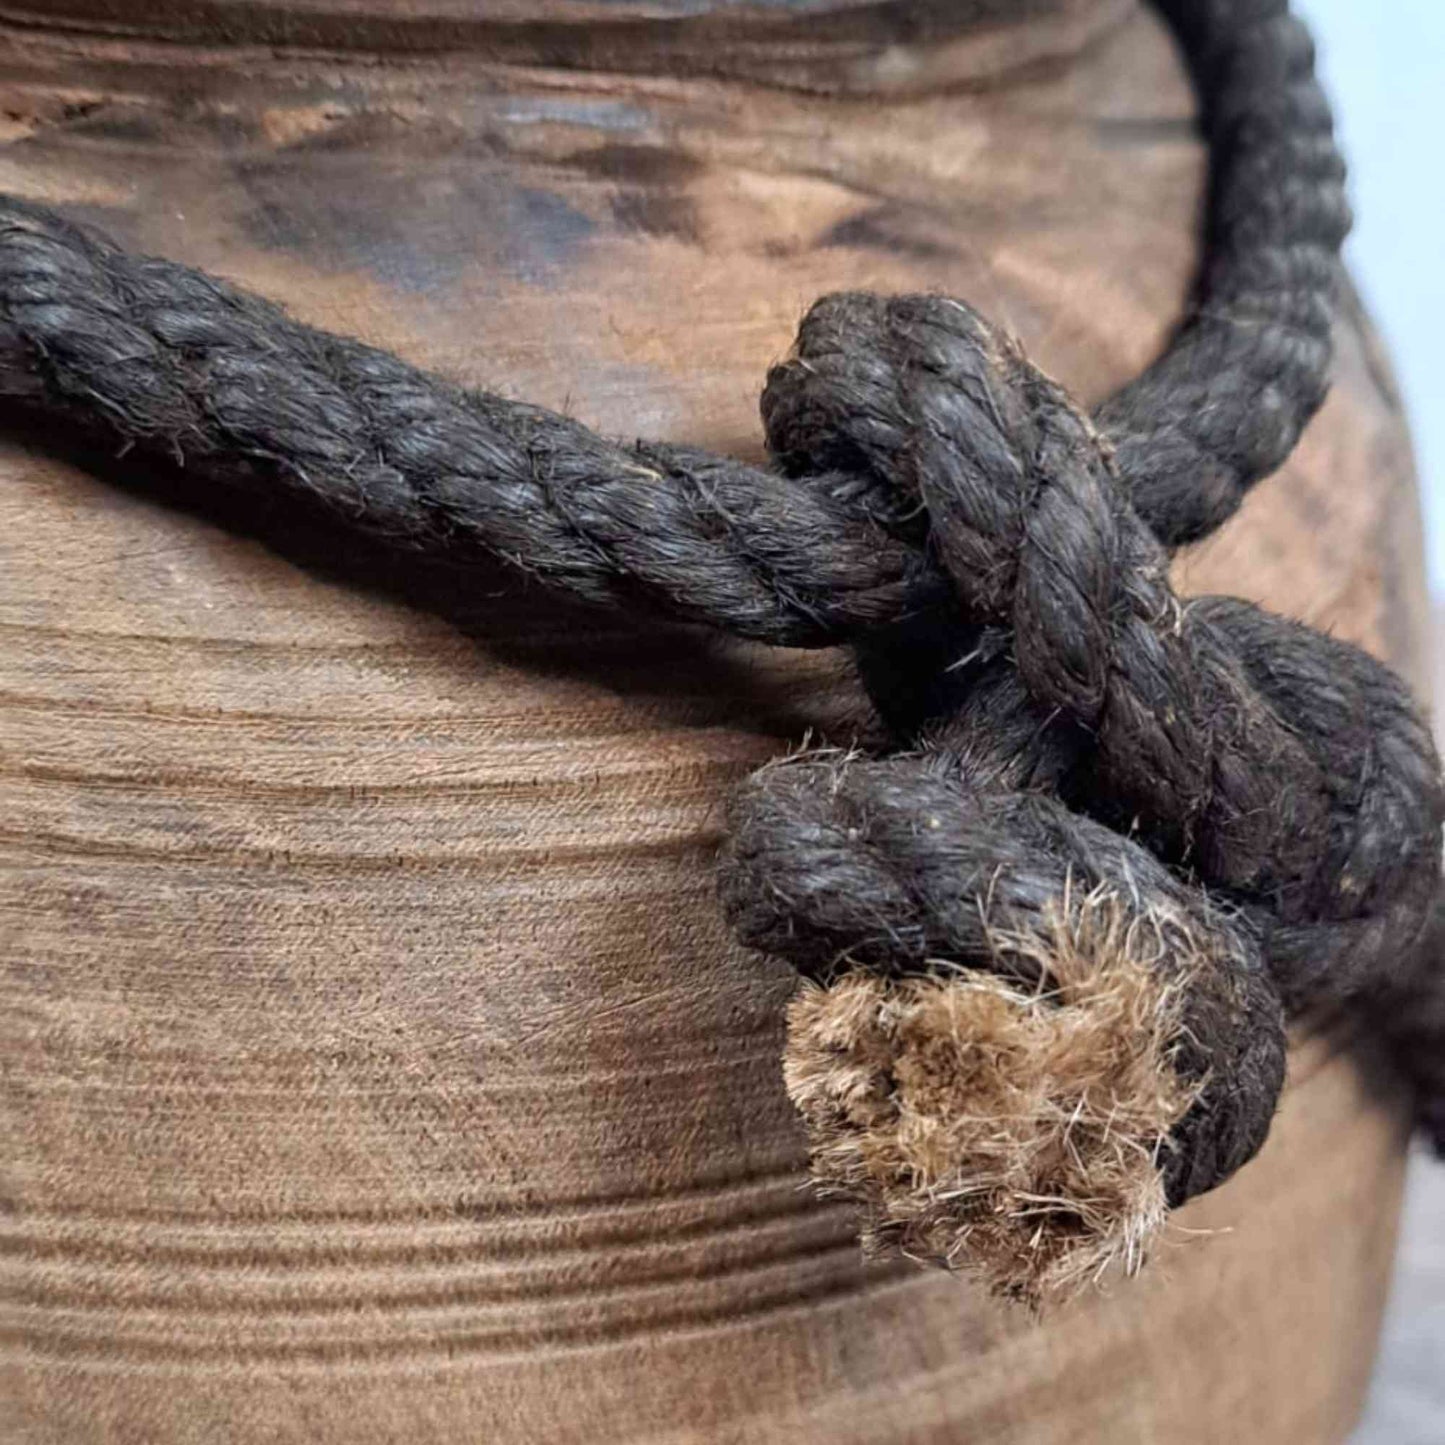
column 375, row 1065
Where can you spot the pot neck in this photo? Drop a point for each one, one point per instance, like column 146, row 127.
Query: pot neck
column 847, row 46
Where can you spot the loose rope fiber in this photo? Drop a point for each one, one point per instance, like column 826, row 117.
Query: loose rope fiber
column 1049, row 941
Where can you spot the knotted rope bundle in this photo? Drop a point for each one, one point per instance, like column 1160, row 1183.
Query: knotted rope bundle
column 1049, row 940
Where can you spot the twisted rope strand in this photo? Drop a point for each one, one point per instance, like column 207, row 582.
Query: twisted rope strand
column 1050, row 941
column 1226, row 403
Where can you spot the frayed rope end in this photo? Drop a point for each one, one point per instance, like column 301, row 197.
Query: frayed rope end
column 1015, row 1132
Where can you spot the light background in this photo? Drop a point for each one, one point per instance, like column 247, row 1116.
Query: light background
column 1383, row 62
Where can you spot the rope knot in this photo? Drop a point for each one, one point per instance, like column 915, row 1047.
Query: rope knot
column 1016, row 488
column 1119, row 832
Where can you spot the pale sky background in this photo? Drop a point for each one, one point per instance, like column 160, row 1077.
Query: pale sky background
column 1383, row 63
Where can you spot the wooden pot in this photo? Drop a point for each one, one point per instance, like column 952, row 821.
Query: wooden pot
column 376, row 1065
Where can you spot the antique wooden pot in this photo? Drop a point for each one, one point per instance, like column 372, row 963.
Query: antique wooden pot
column 376, row 1065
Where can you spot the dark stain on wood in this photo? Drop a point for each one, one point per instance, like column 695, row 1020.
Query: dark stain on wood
column 891, row 230
column 417, row 230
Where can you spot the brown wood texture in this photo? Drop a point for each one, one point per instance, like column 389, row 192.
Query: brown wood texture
column 375, row 1065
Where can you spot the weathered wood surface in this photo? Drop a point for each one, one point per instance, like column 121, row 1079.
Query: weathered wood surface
column 375, row 1064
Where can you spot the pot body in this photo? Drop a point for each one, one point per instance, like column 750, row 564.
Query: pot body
column 376, row 1065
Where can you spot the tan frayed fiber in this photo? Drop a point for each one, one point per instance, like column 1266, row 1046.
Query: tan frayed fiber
column 1015, row 1132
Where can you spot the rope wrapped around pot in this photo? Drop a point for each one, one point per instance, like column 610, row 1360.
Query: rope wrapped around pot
column 1050, row 939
